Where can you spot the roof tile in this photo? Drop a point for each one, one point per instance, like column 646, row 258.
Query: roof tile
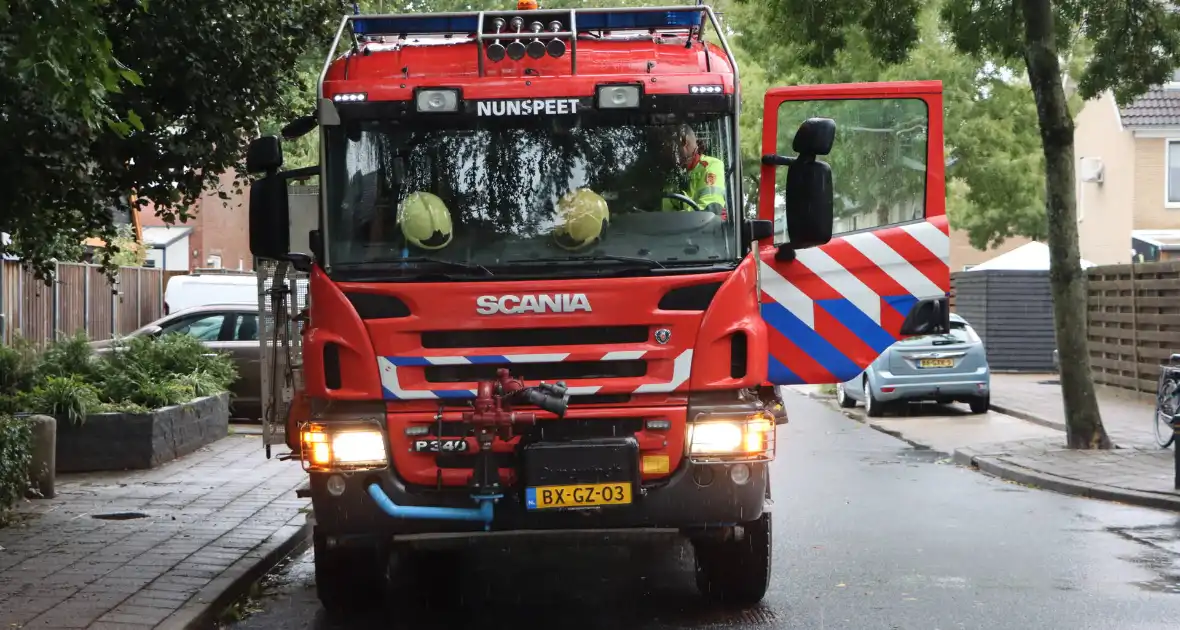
column 1159, row 107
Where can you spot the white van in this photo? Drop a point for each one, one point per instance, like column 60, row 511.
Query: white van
column 188, row 291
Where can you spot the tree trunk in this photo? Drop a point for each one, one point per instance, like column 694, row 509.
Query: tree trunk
column 1083, row 422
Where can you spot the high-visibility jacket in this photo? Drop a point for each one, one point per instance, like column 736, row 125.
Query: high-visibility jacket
column 704, row 184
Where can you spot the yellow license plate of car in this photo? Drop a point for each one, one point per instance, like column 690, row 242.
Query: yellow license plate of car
column 575, row 496
column 936, row 363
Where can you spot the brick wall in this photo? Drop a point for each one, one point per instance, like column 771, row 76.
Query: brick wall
column 221, row 227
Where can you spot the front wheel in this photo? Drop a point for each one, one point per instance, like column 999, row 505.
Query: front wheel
column 348, row 579
column 736, row 572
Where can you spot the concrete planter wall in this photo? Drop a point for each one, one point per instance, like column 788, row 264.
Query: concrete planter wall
column 121, row 441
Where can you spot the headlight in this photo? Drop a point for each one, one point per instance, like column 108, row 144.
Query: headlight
column 348, row 447
column 730, row 439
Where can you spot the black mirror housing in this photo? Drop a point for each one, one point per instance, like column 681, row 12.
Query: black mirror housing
column 270, row 224
column 809, row 203
column 264, row 155
column 815, row 137
column 757, row 230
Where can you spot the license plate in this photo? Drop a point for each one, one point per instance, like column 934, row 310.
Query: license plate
column 936, row 363
column 582, row 495
column 434, row 445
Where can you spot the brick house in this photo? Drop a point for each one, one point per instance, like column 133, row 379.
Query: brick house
column 217, row 236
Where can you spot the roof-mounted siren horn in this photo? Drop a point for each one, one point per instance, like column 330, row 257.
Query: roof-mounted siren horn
column 536, row 48
column 516, row 49
column 556, row 46
column 496, row 49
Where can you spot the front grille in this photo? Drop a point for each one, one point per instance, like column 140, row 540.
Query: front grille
column 564, row 370
column 548, row 431
column 524, row 337
column 581, row 399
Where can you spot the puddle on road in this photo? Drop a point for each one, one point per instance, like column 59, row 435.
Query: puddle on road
column 1160, row 554
column 119, row 516
column 909, row 457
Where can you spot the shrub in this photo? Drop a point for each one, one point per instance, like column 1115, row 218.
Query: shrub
column 16, row 441
column 68, row 357
column 18, row 367
column 164, row 371
column 66, row 397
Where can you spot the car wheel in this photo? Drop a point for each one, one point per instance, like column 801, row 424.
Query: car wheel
column 736, row 572
column 872, row 405
column 842, row 397
column 980, row 404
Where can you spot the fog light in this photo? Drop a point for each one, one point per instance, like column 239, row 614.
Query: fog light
column 335, row 485
column 740, row 473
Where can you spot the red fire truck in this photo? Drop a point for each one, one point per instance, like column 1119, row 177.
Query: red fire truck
column 540, row 300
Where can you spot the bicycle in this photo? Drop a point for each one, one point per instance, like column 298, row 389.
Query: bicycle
column 1167, row 402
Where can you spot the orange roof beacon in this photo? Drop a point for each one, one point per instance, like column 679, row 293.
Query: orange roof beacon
column 511, row 328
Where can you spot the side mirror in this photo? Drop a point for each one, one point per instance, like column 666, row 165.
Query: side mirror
column 815, row 137
column 151, row 331
column 809, row 195
column 931, row 316
column 264, row 155
column 270, row 232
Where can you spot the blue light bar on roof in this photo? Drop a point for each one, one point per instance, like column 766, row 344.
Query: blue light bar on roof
column 375, row 25
column 622, row 20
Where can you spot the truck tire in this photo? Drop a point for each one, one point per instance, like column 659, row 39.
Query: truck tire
column 736, row 572
column 348, row 579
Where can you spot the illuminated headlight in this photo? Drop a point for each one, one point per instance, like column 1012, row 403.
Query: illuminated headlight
column 729, row 439
column 705, row 89
column 354, row 97
column 344, row 448
column 437, row 101
column 618, row 96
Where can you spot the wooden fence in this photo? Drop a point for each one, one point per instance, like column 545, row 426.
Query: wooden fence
column 1134, row 322
column 81, row 298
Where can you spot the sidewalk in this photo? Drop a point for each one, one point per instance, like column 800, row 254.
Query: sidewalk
column 1139, row 472
column 1128, row 416
column 166, row 547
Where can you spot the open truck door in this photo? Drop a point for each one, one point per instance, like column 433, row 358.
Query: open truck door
column 875, row 269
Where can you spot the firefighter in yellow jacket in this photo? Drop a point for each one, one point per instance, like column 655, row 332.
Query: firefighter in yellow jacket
column 703, row 179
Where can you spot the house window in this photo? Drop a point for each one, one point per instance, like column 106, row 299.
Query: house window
column 1172, row 166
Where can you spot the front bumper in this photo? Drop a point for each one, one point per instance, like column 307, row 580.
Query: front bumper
column 695, row 496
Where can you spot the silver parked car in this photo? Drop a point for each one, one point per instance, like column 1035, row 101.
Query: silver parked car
column 939, row 368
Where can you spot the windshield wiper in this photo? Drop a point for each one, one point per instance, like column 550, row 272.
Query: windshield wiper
column 388, row 263
column 632, row 259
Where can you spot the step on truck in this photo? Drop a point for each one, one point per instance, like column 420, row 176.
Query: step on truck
column 544, row 296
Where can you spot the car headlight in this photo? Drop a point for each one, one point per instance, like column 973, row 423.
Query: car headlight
column 729, row 439
column 351, row 447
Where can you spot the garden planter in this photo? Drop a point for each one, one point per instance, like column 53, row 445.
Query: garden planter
column 122, row 441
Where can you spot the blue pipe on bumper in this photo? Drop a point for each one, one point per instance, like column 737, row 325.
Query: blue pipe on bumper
column 482, row 514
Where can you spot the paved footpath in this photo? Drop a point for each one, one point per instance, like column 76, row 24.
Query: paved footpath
column 156, row 548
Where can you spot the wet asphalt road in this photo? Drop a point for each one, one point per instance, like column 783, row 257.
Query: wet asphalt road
column 869, row 534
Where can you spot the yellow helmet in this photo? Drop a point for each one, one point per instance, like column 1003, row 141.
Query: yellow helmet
column 425, row 221
column 582, row 215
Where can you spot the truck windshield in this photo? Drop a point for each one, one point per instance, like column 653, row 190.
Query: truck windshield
column 488, row 194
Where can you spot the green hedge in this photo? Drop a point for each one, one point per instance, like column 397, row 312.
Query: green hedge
column 15, row 449
column 68, row 381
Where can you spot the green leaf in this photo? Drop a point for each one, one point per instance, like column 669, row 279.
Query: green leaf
column 134, row 119
column 131, row 77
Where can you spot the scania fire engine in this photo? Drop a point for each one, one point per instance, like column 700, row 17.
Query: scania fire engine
column 539, row 299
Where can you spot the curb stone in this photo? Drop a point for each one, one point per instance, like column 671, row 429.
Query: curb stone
column 1027, row 417
column 203, row 609
column 1047, row 481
